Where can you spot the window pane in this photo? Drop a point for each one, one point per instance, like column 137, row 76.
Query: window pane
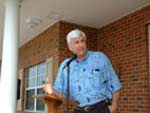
column 41, row 79
column 41, row 74
column 40, row 104
column 29, row 100
column 41, row 68
column 32, row 71
column 31, row 80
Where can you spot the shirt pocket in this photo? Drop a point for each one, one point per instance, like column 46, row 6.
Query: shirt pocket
column 99, row 76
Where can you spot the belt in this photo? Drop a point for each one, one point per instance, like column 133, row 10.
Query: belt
column 92, row 107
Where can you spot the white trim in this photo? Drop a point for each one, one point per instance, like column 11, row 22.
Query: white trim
column 19, row 102
column 50, row 67
column 148, row 27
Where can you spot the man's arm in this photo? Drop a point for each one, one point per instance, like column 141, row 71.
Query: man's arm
column 115, row 100
column 48, row 88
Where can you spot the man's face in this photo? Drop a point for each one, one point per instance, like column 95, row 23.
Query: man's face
column 78, row 46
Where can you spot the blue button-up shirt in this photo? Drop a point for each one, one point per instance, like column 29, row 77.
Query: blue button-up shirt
column 91, row 80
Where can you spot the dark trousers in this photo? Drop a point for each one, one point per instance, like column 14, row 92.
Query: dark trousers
column 103, row 109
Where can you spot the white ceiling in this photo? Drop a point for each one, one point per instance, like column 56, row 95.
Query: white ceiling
column 37, row 15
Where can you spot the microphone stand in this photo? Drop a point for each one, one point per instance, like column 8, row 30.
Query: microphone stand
column 68, row 80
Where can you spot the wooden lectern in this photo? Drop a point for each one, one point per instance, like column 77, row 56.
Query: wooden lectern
column 53, row 102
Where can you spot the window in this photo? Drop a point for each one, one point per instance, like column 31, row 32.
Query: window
column 34, row 86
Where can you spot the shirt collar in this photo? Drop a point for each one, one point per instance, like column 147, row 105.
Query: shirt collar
column 85, row 57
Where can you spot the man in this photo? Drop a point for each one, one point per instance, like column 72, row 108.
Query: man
column 92, row 79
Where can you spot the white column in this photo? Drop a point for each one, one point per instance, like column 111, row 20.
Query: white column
column 8, row 85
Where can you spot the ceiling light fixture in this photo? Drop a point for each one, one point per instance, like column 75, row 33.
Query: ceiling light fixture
column 32, row 22
column 54, row 16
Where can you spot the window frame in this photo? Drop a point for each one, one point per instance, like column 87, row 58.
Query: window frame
column 35, row 88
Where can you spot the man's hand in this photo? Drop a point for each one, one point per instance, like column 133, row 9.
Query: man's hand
column 115, row 99
column 48, row 88
column 112, row 109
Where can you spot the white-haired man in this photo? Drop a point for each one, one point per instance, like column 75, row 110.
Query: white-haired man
column 92, row 79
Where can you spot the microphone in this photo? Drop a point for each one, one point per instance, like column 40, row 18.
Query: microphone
column 71, row 59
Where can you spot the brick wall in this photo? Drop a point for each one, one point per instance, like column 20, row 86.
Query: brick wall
column 125, row 42
column 40, row 48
